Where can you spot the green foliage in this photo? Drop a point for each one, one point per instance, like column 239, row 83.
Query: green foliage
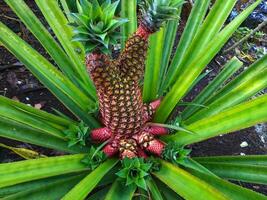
column 135, row 171
column 57, row 21
column 94, row 158
column 77, row 134
column 119, row 191
column 155, row 12
column 196, row 59
column 155, row 164
column 128, row 11
column 229, row 69
column 230, row 190
column 182, row 183
column 235, row 118
column 86, row 185
column 224, row 106
column 29, row 170
column 175, row 153
column 95, row 25
column 196, row 17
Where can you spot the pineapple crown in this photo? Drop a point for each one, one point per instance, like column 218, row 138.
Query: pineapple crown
column 95, row 25
column 156, row 12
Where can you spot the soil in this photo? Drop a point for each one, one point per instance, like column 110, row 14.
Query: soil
column 18, row 83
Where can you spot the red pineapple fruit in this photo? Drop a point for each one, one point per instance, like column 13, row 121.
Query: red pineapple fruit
column 122, row 110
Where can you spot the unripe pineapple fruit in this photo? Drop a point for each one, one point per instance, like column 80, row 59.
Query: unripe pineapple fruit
column 122, row 110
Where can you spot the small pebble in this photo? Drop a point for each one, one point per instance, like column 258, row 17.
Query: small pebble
column 38, row 106
column 243, row 144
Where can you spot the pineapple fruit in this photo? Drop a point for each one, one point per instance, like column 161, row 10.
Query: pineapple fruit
column 123, row 113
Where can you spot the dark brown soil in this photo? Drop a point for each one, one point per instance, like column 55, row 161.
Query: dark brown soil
column 18, row 83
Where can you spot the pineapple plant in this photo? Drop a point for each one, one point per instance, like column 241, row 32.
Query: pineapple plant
column 123, row 112
column 125, row 129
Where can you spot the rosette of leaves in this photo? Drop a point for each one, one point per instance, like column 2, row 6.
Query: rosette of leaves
column 77, row 134
column 94, row 158
column 154, row 12
column 175, row 153
column 135, row 171
column 95, row 25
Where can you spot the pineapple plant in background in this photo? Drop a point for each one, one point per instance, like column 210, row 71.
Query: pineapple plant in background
column 131, row 149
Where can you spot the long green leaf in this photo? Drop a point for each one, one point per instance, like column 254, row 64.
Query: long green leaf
column 23, row 171
column 53, row 79
column 47, row 191
column 167, row 192
column 44, row 70
column 66, row 8
column 99, row 195
column 40, row 32
column 210, row 27
column 24, row 114
column 168, row 44
column 34, row 185
column 153, row 66
column 231, row 190
column 202, row 57
column 109, row 177
column 229, row 69
column 194, row 21
column 185, row 184
column 237, row 95
column 240, row 172
column 10, row 129
column 119, row 191
column 8, row 112
column 128, row 11
column 153, row 188
column 198, row 79
column 37, row 112
column 192, row 164
column 59, row 24
column 72, row 6
column 236, row 118
column 247, row 160
column 253, row 70
column 83, row 188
